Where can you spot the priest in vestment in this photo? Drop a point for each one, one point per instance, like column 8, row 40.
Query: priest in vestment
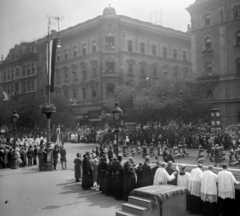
column 146, row 179
column 161, row 176
column 226, row 191
column 183, row 177
column 194, row 188
column 209, row 194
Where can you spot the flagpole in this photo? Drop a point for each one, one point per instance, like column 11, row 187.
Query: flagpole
column 49, row 108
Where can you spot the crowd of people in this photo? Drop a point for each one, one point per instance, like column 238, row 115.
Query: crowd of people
column 206, row 192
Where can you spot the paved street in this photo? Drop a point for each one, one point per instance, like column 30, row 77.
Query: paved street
column 26, row 191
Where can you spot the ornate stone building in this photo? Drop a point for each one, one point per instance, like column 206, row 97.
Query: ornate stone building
column 215, row 33
column 108, row 51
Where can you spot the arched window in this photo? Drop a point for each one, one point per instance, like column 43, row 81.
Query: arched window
column 207, row 20
column 208, row 43
column 110, row 65
column 209, row 69
column 109, row 39
column 110, row 89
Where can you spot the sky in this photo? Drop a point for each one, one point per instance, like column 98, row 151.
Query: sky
column 26, row 20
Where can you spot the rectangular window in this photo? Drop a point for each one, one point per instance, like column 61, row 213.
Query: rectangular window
column 94, row 46
column 28, row 70
column 74, row 91
column 4, row 76
column 142, row 48
column 66, row 93
column 84, row 93
column 66, row 76
column 17, row 72
column 8, row 75
column 94, row 70
column 130, row 68
column 110, row 67
column 84, row 49
column 143, row 70
column 23, row 87
column 74, row 52
column 154, row 50
column 94, row 93
column 165, row 55
column 130, row 46
column 16, row 88
column 154, row 71
column 66, row 54
column 28, row 86
column 23, row 70
column 33, row 85
column 184, row 56
column 175, row 56
column 12, row 75
column 84, row 73
column 33, row 68
column 58, row 56
column 58, row 77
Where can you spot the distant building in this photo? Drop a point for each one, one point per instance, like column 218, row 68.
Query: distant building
column 108, row 51
column 215, row 31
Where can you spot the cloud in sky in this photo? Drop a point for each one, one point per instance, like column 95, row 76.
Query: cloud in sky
column 26, row 20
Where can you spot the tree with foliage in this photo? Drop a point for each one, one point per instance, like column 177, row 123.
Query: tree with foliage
column 164, row 99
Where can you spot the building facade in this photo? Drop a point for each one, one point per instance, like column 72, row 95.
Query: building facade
column 215, row 35
column 112, row 50
column 107, row 51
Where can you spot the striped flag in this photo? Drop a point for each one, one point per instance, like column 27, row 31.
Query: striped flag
column 5, row 96
column 51, row 58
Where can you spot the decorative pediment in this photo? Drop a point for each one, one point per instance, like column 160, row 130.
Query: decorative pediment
column 74, row 67
column 82, row 84
column 57, row 70
column 73, row 86
column 130, row 61
column 93, row 83
column 65, row 87
column 154, row 64
column 165, row 67
column 175, row 68
column 65, row 69
column 93, row 62
column 83, row 64
column 143, row 63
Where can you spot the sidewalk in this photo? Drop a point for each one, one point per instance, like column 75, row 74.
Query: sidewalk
column 26, row 191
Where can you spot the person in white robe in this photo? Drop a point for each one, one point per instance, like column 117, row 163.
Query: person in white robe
column 209, row 194
column 183, row 177
column 226, row 191
column 194, row 188
column 161, row 176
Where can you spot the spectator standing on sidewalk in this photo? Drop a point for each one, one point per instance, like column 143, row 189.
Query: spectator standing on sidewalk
column 41, row 154
column 63, row 158
column 35, row 150
column 30, row 155
column 78, row 167
column 55, row 157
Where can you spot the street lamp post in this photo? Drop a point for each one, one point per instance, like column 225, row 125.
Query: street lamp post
column 49, row 108
column 14, row 162
column 117, row 114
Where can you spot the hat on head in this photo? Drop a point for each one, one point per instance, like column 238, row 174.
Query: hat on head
column 147, row 157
